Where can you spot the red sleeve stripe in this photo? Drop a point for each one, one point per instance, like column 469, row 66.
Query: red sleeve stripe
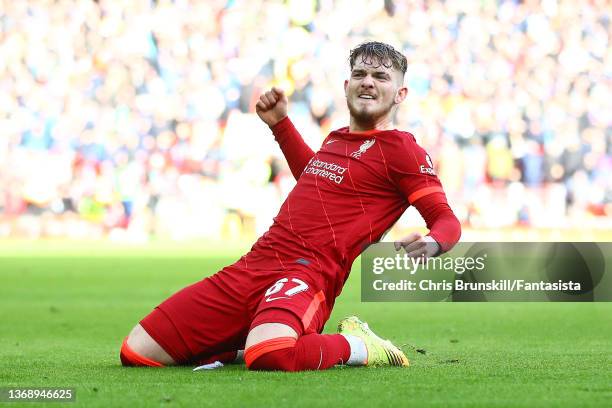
column 423, row 192
column 312, row 309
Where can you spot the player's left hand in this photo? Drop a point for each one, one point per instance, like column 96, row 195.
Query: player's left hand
column 417, row 245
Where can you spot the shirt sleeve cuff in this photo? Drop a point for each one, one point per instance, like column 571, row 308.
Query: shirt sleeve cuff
column 281, row 126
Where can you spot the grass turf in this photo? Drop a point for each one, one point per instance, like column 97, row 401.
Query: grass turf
column 64, row 313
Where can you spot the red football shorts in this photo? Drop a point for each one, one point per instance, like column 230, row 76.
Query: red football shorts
column 215, row 315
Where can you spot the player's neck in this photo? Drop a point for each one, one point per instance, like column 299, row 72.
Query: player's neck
column 384, row 124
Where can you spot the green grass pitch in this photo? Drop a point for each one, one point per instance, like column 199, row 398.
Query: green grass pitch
column 64, row 312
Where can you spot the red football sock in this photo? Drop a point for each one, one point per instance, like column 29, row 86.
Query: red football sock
column 309, row 352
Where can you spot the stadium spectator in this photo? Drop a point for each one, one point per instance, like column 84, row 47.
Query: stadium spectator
column 119, row 117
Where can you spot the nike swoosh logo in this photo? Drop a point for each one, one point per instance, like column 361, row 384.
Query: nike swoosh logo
column 331, row 141
column 276, row 298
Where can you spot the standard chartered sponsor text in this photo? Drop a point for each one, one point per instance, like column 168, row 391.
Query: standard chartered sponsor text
column 331, row 171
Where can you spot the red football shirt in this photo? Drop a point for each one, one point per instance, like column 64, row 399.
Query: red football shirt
column 347, row 196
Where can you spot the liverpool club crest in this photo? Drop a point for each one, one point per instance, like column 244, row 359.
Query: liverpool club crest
column 363, row 148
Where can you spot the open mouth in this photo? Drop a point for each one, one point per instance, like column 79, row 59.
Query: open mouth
column 366, row 96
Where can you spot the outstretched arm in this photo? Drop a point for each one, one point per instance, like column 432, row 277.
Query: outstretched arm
column 272, row 110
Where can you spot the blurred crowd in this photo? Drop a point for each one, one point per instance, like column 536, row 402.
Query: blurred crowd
column 135, row 118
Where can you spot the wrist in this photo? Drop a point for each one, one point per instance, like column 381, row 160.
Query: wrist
column 279, row 123
column 436, row 247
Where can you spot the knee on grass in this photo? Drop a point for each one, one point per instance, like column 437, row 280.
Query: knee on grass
column 140, row 349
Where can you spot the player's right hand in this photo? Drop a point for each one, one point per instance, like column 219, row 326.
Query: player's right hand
column 272, row 106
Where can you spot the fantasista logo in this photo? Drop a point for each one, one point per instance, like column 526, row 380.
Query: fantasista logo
column 330, row 171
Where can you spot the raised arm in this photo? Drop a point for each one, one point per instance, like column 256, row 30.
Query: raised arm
column 272, row 110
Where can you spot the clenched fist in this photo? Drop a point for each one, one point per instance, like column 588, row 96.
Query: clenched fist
column 272, row 106
column 417, row 245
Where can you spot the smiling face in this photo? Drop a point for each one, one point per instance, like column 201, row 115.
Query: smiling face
column 372, row 94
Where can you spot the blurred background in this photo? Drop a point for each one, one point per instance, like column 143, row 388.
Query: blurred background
column 134, row 120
